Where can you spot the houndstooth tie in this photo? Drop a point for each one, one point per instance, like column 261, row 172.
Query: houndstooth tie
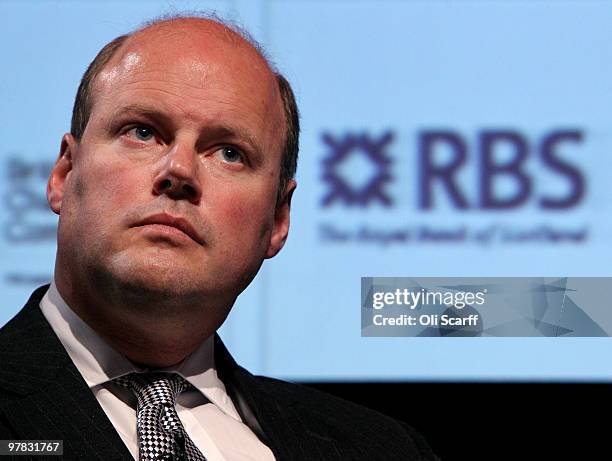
column 161, row 436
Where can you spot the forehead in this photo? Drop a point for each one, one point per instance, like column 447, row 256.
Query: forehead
column 197, row 67
column 193, row 47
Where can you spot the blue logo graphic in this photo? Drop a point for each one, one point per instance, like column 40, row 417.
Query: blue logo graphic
column 357, row 169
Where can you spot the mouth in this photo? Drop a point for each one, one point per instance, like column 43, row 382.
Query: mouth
column 176, row 222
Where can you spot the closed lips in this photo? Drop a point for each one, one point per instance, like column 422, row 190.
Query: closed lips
column 172, row 221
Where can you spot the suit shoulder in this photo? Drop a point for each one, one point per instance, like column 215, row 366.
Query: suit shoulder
column 26, row 320
column 343, row 418
column 299, row 393
column 30, row 352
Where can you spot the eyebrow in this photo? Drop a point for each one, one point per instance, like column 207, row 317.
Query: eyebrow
column 227, row 131
column 143, row 111
column 215, row 129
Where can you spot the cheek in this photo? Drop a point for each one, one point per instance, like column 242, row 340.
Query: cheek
column 107, row 187
column 96, row 200
column 247, row 214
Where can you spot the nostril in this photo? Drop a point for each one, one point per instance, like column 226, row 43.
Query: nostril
column 189, row 190
column 165, row 184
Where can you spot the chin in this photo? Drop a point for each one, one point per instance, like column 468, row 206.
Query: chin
column 151, row 274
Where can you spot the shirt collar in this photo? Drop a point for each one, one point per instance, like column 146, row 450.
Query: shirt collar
column 99, row 363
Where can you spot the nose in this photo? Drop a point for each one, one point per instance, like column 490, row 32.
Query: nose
column 178, row 176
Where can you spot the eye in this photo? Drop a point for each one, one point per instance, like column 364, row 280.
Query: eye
column 141, row 133
column 231, row 154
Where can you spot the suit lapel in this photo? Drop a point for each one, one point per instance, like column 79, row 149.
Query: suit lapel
column 47, row 397
column 277, row 425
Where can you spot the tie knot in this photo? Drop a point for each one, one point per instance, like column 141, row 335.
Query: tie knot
column 154, row 388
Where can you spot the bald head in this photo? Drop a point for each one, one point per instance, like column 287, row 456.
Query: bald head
column 195, row 27
column 206, row 36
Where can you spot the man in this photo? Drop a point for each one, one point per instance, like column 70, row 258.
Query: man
column 172, row 187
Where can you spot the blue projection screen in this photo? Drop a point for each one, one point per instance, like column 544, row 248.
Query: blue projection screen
column 440, row 139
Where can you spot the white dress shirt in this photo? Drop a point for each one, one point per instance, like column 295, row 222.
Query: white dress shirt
column 215, row 427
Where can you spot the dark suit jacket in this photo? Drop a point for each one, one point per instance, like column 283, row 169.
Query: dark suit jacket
column 44, row 397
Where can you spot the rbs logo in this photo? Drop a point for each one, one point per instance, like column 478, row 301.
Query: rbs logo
column 494, row 181
column 489, row 170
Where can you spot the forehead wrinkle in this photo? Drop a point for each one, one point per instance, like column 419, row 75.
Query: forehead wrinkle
column 116, row 76
column 216, row 106
column 198, row 80
column 213, row 91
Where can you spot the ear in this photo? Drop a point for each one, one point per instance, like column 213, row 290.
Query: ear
column 281, row 221
column 60, row 172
